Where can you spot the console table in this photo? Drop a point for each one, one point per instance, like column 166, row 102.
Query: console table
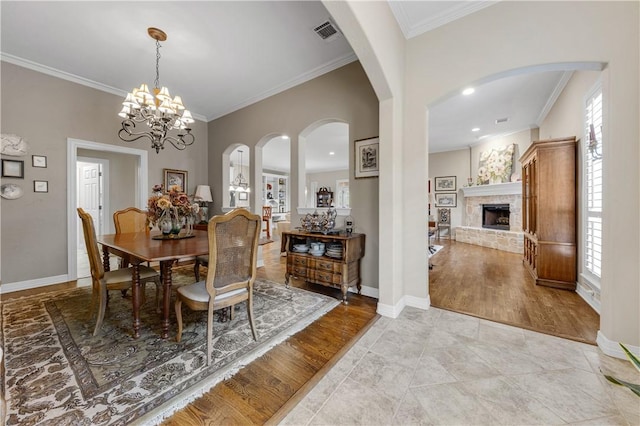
column 340, row 273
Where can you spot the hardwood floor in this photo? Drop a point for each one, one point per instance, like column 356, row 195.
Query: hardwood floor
column 494, row 285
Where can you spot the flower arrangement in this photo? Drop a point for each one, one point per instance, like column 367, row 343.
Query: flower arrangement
column 495, row 165
column 175, row 203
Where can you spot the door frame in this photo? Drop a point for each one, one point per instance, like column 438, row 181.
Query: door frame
column 142, row 180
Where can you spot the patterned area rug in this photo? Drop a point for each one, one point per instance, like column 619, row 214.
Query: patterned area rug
column 58, row 373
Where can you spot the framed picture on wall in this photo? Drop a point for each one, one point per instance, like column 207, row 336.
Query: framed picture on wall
column 13, row 169
column 243, row 196
column 40, row 186
column 175, row 177
column 367, row 158
column 446, row 183
column 446, row 200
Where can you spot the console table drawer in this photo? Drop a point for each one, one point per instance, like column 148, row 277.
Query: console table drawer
column 327, row 265
column 299, row 261
column 327, row 277
column 298, row 271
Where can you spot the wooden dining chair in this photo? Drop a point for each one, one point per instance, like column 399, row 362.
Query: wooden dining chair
column 233, row 251
column 266, row 217
column 102, row 281
column 128, row 220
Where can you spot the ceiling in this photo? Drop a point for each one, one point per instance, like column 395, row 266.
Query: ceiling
column 222, row 56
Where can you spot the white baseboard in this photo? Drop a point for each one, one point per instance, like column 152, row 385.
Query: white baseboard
column 589, row 296
column 29, row 284
column 611, row 348
column 393, row 311
column 423, row 303
column 366, row 291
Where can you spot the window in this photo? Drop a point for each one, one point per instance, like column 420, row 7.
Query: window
column 593, row 188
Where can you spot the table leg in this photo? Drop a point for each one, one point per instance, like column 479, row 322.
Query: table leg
column 286, row 279
column 105, row 259
column 165, row 266
column 135, row 273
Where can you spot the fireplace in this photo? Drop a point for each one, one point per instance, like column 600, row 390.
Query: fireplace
column 495, row 216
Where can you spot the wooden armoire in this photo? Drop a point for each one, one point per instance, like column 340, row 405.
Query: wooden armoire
column 549, row 212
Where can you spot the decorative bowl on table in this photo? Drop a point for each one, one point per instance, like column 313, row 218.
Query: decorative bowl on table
column 316, row 253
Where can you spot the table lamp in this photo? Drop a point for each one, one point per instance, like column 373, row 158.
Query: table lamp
column 203, row 198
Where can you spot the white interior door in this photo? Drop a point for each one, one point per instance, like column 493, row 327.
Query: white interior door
column 89, row 193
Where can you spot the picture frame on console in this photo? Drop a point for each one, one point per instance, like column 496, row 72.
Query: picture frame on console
column 445, row 183
column 446, row 200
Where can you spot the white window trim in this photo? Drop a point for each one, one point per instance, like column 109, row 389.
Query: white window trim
column 589, row 279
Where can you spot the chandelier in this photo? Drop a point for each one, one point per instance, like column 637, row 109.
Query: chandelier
column 240, row 184
column 158, row 111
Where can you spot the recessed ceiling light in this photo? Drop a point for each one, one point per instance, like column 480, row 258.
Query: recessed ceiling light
column 285, row 137
column 468, row 91
column 332, row 153
column 475, row 129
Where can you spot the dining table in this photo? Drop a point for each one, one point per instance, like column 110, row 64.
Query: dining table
column 153, row 247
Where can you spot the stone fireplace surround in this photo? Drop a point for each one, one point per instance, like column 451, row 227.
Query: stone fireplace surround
column 472, row 231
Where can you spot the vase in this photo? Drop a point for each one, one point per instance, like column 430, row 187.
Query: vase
column 165, row 223
column 495, row 179
column 176, row 224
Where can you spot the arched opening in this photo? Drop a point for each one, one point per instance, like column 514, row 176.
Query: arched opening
column 465, row 130
column 323, row 162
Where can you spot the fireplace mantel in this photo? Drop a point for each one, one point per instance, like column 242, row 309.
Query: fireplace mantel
column 508, row 188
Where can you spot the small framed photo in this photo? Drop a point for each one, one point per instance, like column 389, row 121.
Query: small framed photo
column 446, row 183
column 243, row 196
column 175, row 178
column 40, row 186
column 446, row 200
column 367, row 158
column 39, row 161
column 13, row 169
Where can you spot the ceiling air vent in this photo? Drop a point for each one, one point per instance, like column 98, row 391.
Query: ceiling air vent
column 327, row 31
column 501, row 120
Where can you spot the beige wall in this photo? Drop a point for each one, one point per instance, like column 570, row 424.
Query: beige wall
column 344, row 95
column 46, row 111
column 327, row 179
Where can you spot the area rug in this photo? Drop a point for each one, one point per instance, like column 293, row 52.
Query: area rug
column 56, row 372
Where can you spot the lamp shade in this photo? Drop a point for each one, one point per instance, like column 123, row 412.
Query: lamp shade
column 203, row 193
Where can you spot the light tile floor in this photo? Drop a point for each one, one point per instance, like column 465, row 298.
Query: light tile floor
column 437, row 367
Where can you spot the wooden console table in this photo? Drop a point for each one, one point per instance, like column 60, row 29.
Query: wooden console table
column 340, row 273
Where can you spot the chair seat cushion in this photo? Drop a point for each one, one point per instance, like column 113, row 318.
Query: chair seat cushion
column 125, row 274
column 198, row 292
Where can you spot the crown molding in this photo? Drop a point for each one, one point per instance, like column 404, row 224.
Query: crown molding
column 449, row 15
column 564, row 79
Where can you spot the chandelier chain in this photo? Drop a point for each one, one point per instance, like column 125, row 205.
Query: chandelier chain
column 157, row 82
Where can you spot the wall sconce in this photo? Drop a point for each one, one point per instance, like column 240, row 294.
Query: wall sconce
column 594, row 147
